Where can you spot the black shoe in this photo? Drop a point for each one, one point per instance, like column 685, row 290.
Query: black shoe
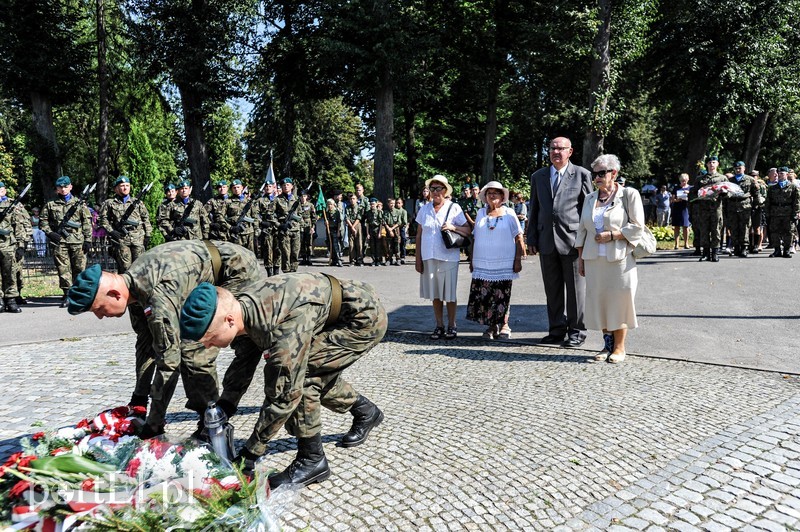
column 775, row 253
column 714, row 256
column 697, row 252
column 148, row 432
column 309, row 466
column 21, row 300
column 11, row 305
column 574, row 341
column 551, row 339
column 786, row 254
column 437, row 333
column 246, row 460
column 366, row 416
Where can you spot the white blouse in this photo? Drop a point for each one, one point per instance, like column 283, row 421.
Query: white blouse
column 599, row 226
column 495, row 246
column 430, row 223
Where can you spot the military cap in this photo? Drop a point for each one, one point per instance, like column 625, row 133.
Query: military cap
column 82, row 293
column 198, row 311
column 304, row 192
column 467, row 186
column 222, row 183
column 783, row 169
column 287, row 180
column 122, row 179
column 739, row 163
column 169, row 186
column 475, row 185
column 373, row 200
column 713, row 158
column 184, row 183
column 63, row 181
column 2, row 184
column 236, row 182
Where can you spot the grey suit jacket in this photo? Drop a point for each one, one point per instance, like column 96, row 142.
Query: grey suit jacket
column 553, row 222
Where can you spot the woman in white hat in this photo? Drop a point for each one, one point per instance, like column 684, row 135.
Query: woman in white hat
column 436, row 264
column 496, row 260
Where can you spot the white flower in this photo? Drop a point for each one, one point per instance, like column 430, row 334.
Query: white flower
column 147, row 461
column 191, row 513
column 195, row 467
column 164, row 469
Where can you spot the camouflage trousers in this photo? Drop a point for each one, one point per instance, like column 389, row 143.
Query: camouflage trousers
column 18, row 274
column 375, row 244
column 126, row 254
column 290, row 251
column 247, row 241
column 780, row 231
column 306, row 241
column 356, row 244
column 707, row 226
column 739, row 225
column 70, row 261
column 8, row 282
column 392, row 245
column 361, row 326
column 270, row 249
column 158, row 378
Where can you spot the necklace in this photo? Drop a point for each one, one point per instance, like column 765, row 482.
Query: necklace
column 493, row 225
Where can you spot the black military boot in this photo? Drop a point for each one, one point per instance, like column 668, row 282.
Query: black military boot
column 308, row 467
column 64, row 301
column 21, row 300
column 714, row 255
column 698, row 252
column 366, row 416
column 703, row 255
column 11, row 305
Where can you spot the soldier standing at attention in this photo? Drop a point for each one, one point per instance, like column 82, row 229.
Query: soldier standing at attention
column 783, row 208
column 152, row 291
column 391, row 221
column 353, row 219
column 19, row 256
column 268, row 223
column 69, row 246
column 363, row 207
column 13, row 237
column 403, row 216
column 738, row 210
column 286, row 206
column 243, row 234
column 162, row 218
column 216, row 208
column 314, row 327
column 373, row 220
column 128, row 240
column 708, row 212
column 309, row 215
column 188, row 220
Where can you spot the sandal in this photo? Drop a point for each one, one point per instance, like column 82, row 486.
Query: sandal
column 505, row 333
column 488, row 334
column 451, row 333
column 608, row 347
column 616, row 358
column 437, row 333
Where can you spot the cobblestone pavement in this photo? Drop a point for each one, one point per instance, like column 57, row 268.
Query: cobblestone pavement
column 494, row 436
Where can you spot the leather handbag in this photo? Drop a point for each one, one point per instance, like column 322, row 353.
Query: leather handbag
column 647, row 244
column 451, row 238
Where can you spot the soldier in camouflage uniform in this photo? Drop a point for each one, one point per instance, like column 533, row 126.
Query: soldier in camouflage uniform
column 707, row 221
column 162, row 218
column 335, row 227
column 354, row 221
column 403, row 216
column 187, row 219
column 286, row 206
column 783, row 209
column 307, row 228
column 757, row 218
column 391, row 222
column 309, row 344
column 268, row 224
column 216, row 208
column 131, row 238
column 13, row 237
column 243, row 233
column 373, row 220
column 153, row 291
column 19, row 257
column 363, row 207
column 69, row 244
column 738, row 210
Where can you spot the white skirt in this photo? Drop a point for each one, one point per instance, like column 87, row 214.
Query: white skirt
column 438, row 280
column 610, row 293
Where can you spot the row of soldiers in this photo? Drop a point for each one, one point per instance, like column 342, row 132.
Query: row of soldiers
column 778, row 199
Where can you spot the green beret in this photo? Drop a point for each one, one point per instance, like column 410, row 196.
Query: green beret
column 222, row 183
column 287, row 180
column 739, row 163
column 63, row 181
column 475, row 185
column 198, row 311
column 82, row 293
column 713, row 158
column 169, row 186
column 237, row 182
column 373, row 200
column 467, row 187
column 2, row 184
column 184, row 183
column 122, row 179
column 783, row 169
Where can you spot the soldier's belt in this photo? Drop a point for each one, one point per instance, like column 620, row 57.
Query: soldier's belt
column 336, row 300
column 216, row 262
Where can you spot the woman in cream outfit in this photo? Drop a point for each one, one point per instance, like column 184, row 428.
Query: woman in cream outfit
column 612, row 221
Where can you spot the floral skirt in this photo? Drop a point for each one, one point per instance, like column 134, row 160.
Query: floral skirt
column 489, row 301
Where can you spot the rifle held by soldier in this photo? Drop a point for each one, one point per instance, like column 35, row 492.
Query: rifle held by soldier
column 66, row 222
column 14, row 203
column 125, row 224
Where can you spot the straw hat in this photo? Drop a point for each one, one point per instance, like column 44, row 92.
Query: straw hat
column 496, row 185
column 441, row 179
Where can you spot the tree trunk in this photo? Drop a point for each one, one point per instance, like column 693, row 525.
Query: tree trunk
column 412, row 169
column 102, row 134
column 599, row 86
column 48, row 164
column 752, row 139
column 696, row 148
column 384, row 143
column 289, row 124
column 196, row 148
column 490, row 135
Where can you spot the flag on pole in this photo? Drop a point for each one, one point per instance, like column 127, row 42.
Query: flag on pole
column 270, row 179
column 320, row 200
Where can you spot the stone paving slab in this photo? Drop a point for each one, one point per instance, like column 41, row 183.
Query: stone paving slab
column 493, row 436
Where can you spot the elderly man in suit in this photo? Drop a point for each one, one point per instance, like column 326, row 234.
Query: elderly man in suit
column 557, row 195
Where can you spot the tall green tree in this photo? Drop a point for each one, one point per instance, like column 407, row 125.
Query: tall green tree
column 142, row 168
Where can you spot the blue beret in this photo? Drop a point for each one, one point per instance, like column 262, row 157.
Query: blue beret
column 169, row 186
column 237, row 182
column 713, row 158
column 783, row 169
column 198, row 311
column 185, row 183
column 739, row 163
column 63, row 181
column 373, row 200
column 82, row 293
column 222, row 182
column 287, row 180
column 122, row 179
column 475, row 185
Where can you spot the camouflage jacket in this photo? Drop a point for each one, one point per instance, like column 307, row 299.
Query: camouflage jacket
column 196, row 223
column 216, row 207
column 162, row 278
column 283, row 206
column 746, row 202
column 265, row 212
column 373, row 219
column 234, row 210
column 308, row 213
column 136, row 228
column 783, row 201
column 13, row 232
column 335, row 222
column 162, row 218
column 79, row 227
column 704, row 180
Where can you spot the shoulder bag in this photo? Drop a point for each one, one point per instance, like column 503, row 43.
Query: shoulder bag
column 451, row 238
column 647, row 244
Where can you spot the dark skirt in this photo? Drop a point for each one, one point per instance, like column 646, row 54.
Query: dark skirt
column 488, row 301
column 680, row 214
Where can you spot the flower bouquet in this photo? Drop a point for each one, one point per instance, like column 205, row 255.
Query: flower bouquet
column 726, row 189
column 98, row 476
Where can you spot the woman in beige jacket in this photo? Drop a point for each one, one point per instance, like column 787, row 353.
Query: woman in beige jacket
column 612, row 221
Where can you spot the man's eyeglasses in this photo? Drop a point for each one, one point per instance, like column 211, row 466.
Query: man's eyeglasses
column 437, row 189
column 560, row 148
column 600, row 173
